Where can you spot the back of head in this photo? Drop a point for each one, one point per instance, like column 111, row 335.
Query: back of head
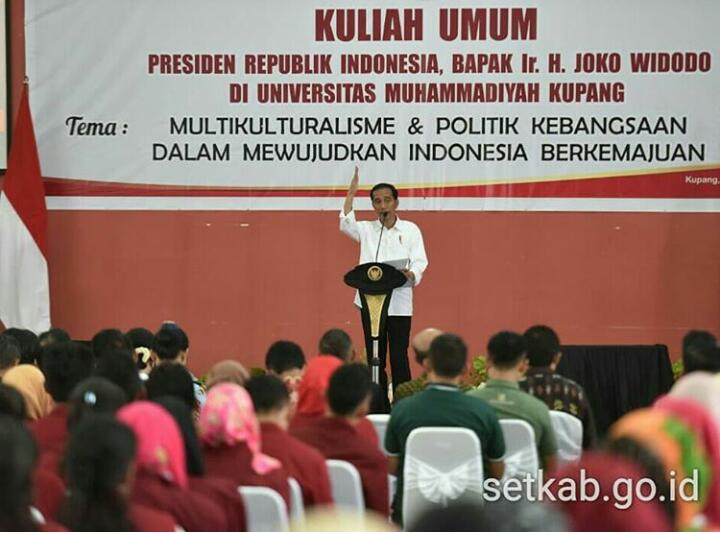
column 93, row 396
column 142, row 341
column 9, row 352
column 284, row 356
column 448, row 356
column 336, row 342
column 542, row 345
column 29, row 381
column 421, row 343
column 350, row 387
column 227, row 371
column 17, row 463
column 169, row 342
column 118, row 366
column 96, row 465
column 506, row 350
column 65, row 365
column 268, row 393
column 171, row 379
column 27, row 342
column 184, row 419
column 109, row 340
column 700, row 352
column 52, row 336
column 12, row 403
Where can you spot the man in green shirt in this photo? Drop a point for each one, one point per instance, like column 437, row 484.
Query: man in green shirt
column 442, row 403
column 507, row 363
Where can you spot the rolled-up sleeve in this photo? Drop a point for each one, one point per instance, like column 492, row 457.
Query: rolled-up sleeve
column 349, row 225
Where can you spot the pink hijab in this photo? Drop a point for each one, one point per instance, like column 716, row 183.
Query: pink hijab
column 228, row 418
column 161, row 450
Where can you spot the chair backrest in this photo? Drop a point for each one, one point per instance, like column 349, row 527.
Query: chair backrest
column 380, row 422
column 297, row 506
column 521, row 454
column 346, row 485
column 442, row 465
column 569, row 435
column 265, row 510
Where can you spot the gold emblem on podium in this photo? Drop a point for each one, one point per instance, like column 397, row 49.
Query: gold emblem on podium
column 375, row 273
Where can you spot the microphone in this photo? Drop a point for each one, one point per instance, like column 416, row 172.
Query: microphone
column 383, row 215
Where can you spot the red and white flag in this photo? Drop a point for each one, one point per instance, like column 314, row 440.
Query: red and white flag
column 24, row 287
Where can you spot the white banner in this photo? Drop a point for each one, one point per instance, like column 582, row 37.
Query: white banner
column 463, row 99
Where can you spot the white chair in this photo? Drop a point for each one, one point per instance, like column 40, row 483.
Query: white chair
column 297, row 506
column 265, row 510
column 380, row 422
column 442, row 465
column 521, row 454
column 346, row 486
column 392, row 488
column 569, row 435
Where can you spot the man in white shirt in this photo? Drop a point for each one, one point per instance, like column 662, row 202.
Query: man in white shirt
column 399, row 240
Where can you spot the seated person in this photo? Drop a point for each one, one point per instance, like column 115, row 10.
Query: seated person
column 507, row 362
column 29, row 381
column 304, row 463
column 336, row 435
column 421, row 347
column 286, row 360
column 227, row 371
column 230, row 434
column 171, row 344
column 442, row 403
column 556, row 391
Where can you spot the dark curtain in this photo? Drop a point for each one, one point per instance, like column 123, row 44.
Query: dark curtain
column 617, row 379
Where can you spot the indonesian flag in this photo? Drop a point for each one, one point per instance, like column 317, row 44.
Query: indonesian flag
column 24, row 287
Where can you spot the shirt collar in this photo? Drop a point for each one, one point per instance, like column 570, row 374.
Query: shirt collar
column 538, row 371
column 497, row 383
column 377, row 224
column 442, row 387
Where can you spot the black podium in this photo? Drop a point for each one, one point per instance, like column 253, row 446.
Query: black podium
column 375, row 283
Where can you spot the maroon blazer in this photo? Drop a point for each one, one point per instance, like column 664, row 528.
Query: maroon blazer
column 303, row 423
column 148, row 519
column 191, row 511
column 51, row 431
column 302, row 462
column 233, row 462
column 225, row 494
column 339, row 440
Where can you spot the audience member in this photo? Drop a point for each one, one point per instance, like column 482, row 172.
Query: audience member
column 17, row 463
column 9, row 353
column 161, row 479
column 142, row 341
column 286, row 360
column 227, row 371
column 302, row 462
column 557, row 392
column 29, row 381
column 98, row 470
column 336, row 435
column 171, row 344
column 109, row 340
column 12, row 402
column 64, row 365
column 47, row 339
column 336, row 342
column 506, row 364
column 27, row 342
column 421, row 347
column 442, row 403
column 172, row 379
column 700, row 352
column 230, row 434
column 94, row 396
column 118, row 366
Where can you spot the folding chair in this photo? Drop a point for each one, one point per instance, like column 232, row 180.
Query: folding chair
column 297, row 506
column 265, row 509
column 380, row 422
column 569, row 435
column 521, row 454
column 346, row 485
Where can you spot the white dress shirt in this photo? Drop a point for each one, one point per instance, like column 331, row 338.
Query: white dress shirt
column 402, row 241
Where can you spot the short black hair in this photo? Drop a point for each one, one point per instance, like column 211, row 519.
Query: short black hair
column 169, row 341
column 542, row 345
column 64, row 366
column 52, row 336
column 336, row 342
column 506, row 349
column 448, row 355
column 268, row 393
column 350, row 385
column 92, row 396
column 283, row 356
column 27, row 342
column 383, row 185
column 700, row 352
column 119, row 367
column 12, row 402
column 107, row 340
column 17, row 464
column 9, row 351
column 172, row 379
